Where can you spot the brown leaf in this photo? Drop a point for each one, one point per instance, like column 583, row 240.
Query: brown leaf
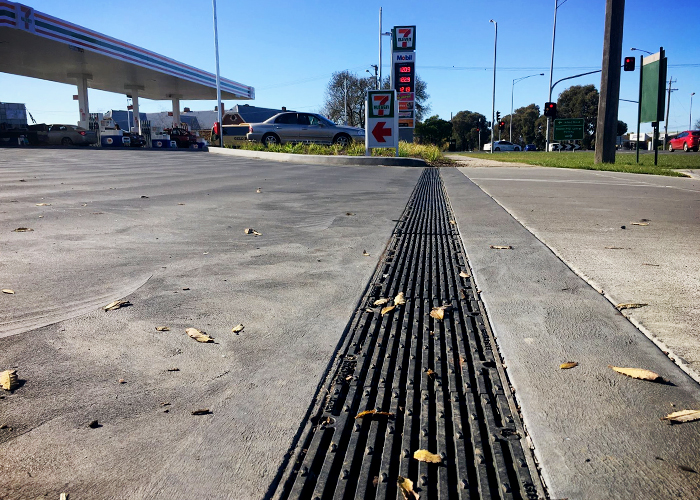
column 22, row 230
column 464, row 274
column 682, row 416
column 203, row 411
column 259, row 190
column 116, row 305
column 439, row 312
column 122, row 381
column 568, row 364
column 373, row 413
column 162, row 328
column 380, row 302
column 630, row 305
column 501, row 247
column 238, row 328
column 8, row 380
column 461, row 361
column 406, row 488
column 400, row 299
column 426, row 456
column 638, row 373
column 250, row 230
column 198, row 335
column 430, row 373
column 387, row 309
column 8, row 291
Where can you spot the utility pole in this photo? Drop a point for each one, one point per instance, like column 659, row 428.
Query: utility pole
column 551, row 69
column 493, row 99
column 606, row 128
column 668, row 108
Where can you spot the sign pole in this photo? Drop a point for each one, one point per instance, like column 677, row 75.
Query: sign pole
column 639, row 102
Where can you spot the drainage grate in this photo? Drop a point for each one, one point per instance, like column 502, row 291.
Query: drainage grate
column 439, row 381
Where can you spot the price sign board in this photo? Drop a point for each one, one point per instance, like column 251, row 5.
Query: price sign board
column 381, row 120
column 403, row 73
column 568, row 129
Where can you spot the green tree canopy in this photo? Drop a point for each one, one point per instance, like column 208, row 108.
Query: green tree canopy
column 465, row 125
column 580, row 101
column 621, row 128
column 524, row 124
column 434, row 130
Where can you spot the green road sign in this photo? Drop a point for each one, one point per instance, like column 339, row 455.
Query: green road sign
column 653, row 81
column 568, row 129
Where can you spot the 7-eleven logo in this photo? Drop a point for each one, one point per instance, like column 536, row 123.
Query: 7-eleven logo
column 405, row 38
column 380, row 105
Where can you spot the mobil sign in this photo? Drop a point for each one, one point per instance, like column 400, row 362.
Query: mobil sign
column 404, row 38
column 381, row 120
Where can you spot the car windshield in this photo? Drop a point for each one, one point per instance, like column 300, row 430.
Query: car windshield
column 325, row 121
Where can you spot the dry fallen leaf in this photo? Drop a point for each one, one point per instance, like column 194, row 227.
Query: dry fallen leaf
column 64, row 496
column 364, row 252
column 174, row 369
column 464, row 274
column 568, row 364
column 682, row 416
column 406, row 487
column 8, row 291
column 162, row 328
column 501, row 247
column 259, row 190
column 461, row 361
column 638, row 373
column 250, row 230
column 380, row 302
column 426, row 456
column 374, row 413
column 8, row 380
column 640, row 223
column 452, row 222
column 430, row 372
column 198, row 335
column 43, row 204
column 387, row 309
column 22, row 230
column 238, row 328
column 631, row 305
column 439, row 312
column 116, row 305
column 203, row 411
column 400, row 299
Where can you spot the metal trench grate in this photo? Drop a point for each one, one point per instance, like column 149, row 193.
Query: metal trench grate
column 439, row 379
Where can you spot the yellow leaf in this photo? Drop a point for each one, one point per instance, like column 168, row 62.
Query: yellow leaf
column 400, row 299
column 568, row 364
column 640, row 223
column 43, row 204
column 501, row 247
column 682, row 416
column 22, row 230
column 7, row 290
column 116, row 305
column 250, row 230
column 8, row 380
column 162, row 328
column 452, row 222
column 259, row 190
column 387, row 309
column 198, row 335
column 238, row 328
column 631, row 305
column 364, row 252
column 638, row 373
column 426, row 456
column 380, row 302
column 430, row 372
column 406, row 487
column 464, row 274
column 439, row 312
column 374, row 413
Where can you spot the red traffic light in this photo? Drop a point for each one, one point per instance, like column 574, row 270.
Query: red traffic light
column 550, row 109
column 629, row 63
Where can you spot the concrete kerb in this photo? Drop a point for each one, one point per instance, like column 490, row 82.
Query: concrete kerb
column 379, row 161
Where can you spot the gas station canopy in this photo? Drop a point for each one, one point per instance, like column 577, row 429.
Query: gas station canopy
column 37, row 45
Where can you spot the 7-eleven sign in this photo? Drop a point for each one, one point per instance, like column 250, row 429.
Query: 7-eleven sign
column 404, row 38
column 381, row 105
column 381, row 120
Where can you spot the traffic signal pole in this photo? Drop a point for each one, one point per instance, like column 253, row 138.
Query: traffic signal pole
column 551, row 67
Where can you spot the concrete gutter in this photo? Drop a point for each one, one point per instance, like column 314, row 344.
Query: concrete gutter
column 380, row 161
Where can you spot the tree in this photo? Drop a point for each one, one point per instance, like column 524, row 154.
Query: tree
column 524, row 124
column 697, row 125
column 434, row 130
column 334, row 107
column 621, row 128
column 465, row 125
column 421, row 106
column 580, row 101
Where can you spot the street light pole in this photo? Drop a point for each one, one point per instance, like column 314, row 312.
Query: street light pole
column 493, row 99
column 218, row 78
column 690, row 118
column 551, row 68
column 512, row 88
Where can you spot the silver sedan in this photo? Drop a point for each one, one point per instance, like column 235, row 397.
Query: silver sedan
column 302, row 127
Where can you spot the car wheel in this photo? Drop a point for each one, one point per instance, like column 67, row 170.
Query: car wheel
column 270, row 140
column 670, row 147
column 685, row 147
column 516, row 148
column 342, row 140
column 497, row 149
column 66, row 141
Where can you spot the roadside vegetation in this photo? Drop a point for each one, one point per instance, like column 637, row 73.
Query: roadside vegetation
column 625, row 162
column 427, row 152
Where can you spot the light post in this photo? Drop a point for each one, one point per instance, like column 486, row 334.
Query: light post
column 381, row 34
column 512, row 88
column 376, row 85
column 641, row 50
column 690, row 118
column 493, row 99
column 218, row 78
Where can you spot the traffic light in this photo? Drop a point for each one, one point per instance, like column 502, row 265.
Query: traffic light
column 498, row 115
column 629, row 63
column 501, row 125
column 550, row 109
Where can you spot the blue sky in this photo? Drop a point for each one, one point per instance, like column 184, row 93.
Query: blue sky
column 288, row 50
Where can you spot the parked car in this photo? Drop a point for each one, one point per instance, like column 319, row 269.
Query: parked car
column 530, row 147
column 68, row 135
column 302, row 127
column 136, row 140
column 501, row 146
column 690, row 139
column 183, row 137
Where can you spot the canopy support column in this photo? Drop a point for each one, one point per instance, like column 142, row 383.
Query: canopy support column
column 83, row 103
column 135, row 101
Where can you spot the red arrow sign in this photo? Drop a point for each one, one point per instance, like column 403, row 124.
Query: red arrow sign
column 379, row 132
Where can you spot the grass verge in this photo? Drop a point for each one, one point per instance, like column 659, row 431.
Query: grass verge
column 624, row 162
column 428, row 153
